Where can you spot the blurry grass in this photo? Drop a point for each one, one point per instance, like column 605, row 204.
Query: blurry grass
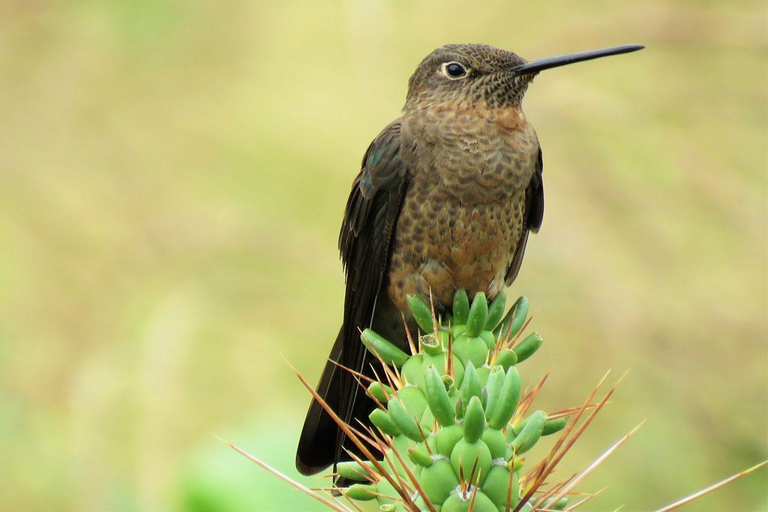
column 172, row 178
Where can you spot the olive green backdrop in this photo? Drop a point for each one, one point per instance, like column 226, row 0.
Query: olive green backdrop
column 172, row 179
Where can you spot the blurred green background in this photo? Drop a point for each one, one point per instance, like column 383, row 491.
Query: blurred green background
column 172, row 180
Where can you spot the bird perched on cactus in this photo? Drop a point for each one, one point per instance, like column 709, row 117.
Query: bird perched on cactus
column 445, row 200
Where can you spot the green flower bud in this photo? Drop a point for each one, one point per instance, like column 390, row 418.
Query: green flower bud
column 361, row 492
column 389, row 353
column 460, row 307
column 403, row 419
column 478, row 314
column 514, row 319
column 471, row 385
column 421, row 312
column 509, row 396
column 527, row 347
column 530, row 433
column 420, row 456
column 438, row 399
column 506, row 358
column 431, row 344
column 496, row 311
column 380, row 391
column 352, row 470
column 554, row 426
column 474, row 420
column 494, row 385
column 384, row 422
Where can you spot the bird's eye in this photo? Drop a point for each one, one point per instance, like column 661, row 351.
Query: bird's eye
column 454, row 70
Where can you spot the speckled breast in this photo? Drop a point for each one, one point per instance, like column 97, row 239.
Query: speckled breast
column 462, row 217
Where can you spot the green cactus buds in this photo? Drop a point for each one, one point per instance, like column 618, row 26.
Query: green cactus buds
column 527, row 347
column 474, row 420
column 384, row 422
column 361, row 492
column 352, row 470
column 514, row 319
column 506, row 358
column 431, row 344
column 450, row 429
column 478, row 314
column 471, row 385
column 496, row 311
column 420, row 456
column 530, row 433
column 380, row 392
column 460, row 307
column 438, row 399
column 389, row 353
column 493, row 387
column 507, row 402
column 421, row 312
column 554, row 426
column 404, row 420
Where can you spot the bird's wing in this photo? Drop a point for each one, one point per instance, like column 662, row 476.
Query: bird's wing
column 365, row 240
column 366, row 236
column 533, row 215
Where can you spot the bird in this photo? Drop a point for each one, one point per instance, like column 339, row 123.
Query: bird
column 446, row 198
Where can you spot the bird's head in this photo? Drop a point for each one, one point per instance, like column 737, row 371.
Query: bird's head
column 478, row 74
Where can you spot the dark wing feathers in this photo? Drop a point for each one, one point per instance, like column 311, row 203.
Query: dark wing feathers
column 533, row 215
column 364, row 242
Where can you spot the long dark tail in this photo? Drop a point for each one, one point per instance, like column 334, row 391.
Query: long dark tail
column 322, row 442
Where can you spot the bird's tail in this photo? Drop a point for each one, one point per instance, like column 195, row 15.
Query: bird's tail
column 322, row 442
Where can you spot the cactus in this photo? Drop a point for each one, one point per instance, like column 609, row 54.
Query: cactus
column 454, row 422
column 453, row 428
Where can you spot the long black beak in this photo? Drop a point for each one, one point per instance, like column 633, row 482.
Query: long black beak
column 563, row 60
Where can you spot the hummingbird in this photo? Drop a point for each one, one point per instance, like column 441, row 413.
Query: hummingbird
column 445, row 200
